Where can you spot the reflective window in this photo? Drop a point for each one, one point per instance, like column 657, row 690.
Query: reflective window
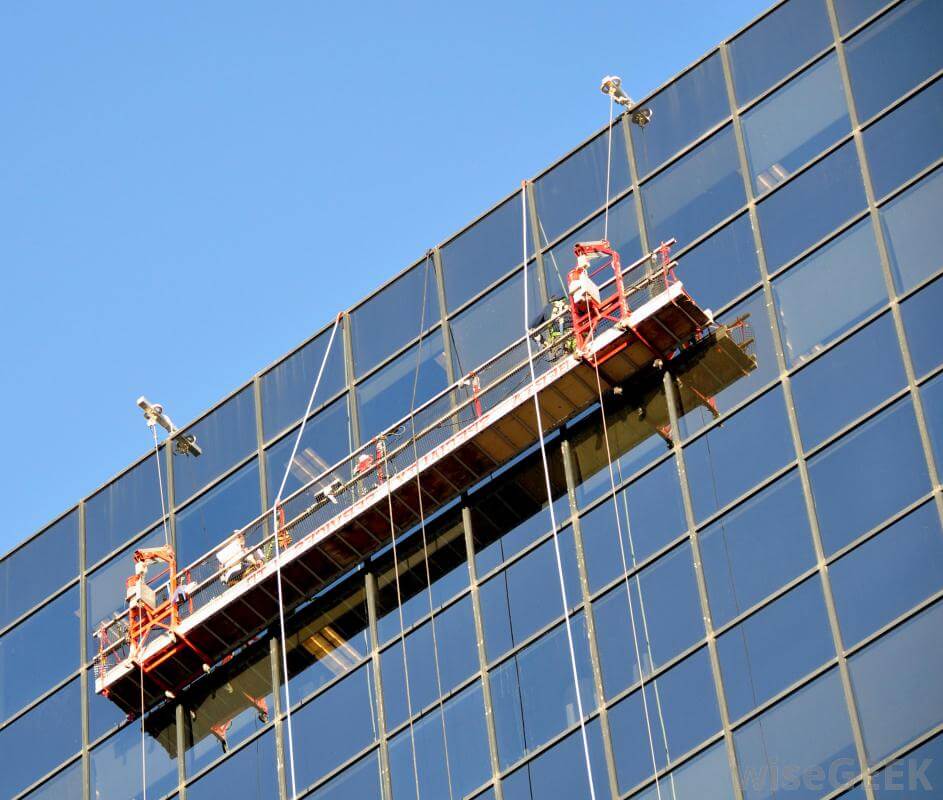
column 905, row 561
column 533, row 694
column 209, row 519
column 848, row 381
column 38, row 568
column 40, row 740
column 725, row 462
column 906, row 140
column 665, row 619
column 722, row 267
column 696, row 192
column 932, row 395
column 360, row 780
column 829, row 291
column 753, row 659
column 682, row 712
column 39, row 652
column 120, row 510
column 387, row 396
column 459, row 751
column 812, row 205
column 894, row 711
column 704, row 777
column 351, row 708
column 920, row 771
column 248, row 775
column 808, row 734
column 116, row 770
column 286, row 388
column 867, row 475
column 495, row 321
column 914, row 237
column 921, row 324
column 576, row 187
column 853, row 12
column 685, row 109
column 103, row 715
column 894, row 54
column 391, row 318
column 778, row 44
column 67, row 785
column 226, row 436
column 756, row 548
column 779, row 140
column 477, row 257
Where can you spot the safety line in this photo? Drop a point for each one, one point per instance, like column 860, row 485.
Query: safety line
column 553, row 519
column 278, row 556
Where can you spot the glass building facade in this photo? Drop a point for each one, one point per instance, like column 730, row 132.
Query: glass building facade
column 754, row 607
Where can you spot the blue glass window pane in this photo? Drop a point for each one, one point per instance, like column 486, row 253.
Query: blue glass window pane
column 756, row 548
column 912, row 231
column 684, row 110
column 812, row 205
column 722, row 267
column 829, row 291
column 853, row 12
column 248, row 775
column 922, row 326
column 896, row 681
column 725, row 462
column 665, row 609
column 808, row 734
column 66, row 785
column 919, row 772
column 867, row 475
column 286, row 388
column 209, row 519
column 41, row 739
column 362, row 780
column 932, row 395
column 906, row 140
column 753, row 659
column 325, row 441
column 894, row 54
column 392, row 317
column 387, row 396
column 848, row 381
column 39, row 652
column 576, row 187
column 103, row 714
column 795, row 124
column 38, row 568
column 905, row 561
column 116, row 771
column 122, row 509
column 477, row 257
column 704, row 777
column 696, row 192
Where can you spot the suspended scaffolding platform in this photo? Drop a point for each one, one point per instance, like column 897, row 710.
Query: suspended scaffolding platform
column 181, row 623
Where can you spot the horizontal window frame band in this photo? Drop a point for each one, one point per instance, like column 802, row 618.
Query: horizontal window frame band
column 688, row 148
column 37, row 701
column 814, row 60
column 422, row 336
column 909, row 184
column 360, row 755
column 891, row 5
column 906, row 749
column 891, row 107
column 293, row 426
column 151, row 528
column 231, row 752
column 206, row 489
column 62, row 767
column 21, row 545
column 17, row 621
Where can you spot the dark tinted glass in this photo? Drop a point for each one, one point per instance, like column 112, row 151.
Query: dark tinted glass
column 286, row 388
column 893, row 712
column 248, row 775
column 576, row 187
column 225, row 508
column 754, row 663
column 932, row 395
column 812, row 205
column 696, row 192
column 103, row 715
column 478, row 257
column 914, row 237
column 905, row 565
column 725, row 462
column 829, row 291
column 66, row 785
column 39, row 652
column 116, row 770
column 37, row 569
column 707, row 775
column 894, row 54
column 777, row 45
column 756, row 548
column 40, row 740
column 360, row 780
column 854, row 12
column 391, row 318
column 226, row 436
column 122, row 509
column 922, row 325
column 691, row 105
column 866, row 476
column 848, row 381
column 795, row 124
column 906, row 140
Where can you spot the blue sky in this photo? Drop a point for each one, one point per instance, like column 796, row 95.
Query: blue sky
column 178, row 179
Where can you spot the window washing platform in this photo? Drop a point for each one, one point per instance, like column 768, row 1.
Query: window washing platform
column 450, row 443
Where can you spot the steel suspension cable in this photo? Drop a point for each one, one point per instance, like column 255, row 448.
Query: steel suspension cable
column 605, row 234
column 553, row 519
